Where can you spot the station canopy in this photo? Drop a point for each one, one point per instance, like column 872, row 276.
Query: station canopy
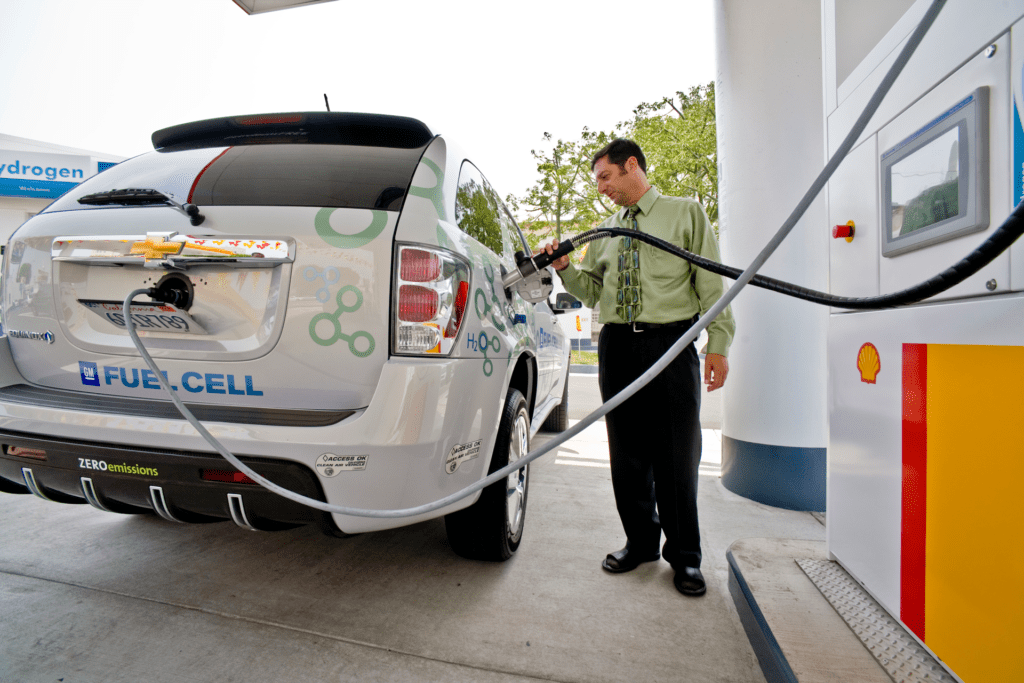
column 261, row 6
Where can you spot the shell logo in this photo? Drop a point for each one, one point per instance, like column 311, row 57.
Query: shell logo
column 868, row 363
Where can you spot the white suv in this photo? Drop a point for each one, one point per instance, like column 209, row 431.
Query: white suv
column 339, row 323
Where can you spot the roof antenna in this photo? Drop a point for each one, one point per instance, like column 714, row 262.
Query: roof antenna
column 326, row 102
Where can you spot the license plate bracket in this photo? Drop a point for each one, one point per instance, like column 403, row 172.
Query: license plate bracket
column 146, row 317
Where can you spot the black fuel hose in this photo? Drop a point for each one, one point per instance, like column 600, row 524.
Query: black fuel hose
column 1000, row 240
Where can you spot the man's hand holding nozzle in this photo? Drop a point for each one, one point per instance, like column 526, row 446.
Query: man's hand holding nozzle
column 562, row 262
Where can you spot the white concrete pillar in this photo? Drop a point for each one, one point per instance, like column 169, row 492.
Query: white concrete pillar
column 771, row 145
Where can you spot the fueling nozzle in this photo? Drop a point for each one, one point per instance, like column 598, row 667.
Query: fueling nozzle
column 173, row 289
column 529, row 278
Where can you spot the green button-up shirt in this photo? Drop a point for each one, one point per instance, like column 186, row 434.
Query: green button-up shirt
column 671, row 289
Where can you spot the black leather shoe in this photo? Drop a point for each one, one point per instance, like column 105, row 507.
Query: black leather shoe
column 689, row 581
column 626, row 560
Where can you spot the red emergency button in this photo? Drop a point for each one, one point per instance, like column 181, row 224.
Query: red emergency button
column 844, row 231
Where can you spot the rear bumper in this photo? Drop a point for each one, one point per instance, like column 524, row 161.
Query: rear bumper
column 170, row 483
column 421, row 413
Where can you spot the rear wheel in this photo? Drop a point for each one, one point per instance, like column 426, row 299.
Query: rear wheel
column 492, row 527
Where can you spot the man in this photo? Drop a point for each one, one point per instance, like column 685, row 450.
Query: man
column 649, row 298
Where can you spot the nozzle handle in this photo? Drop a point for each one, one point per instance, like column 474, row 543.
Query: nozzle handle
column 543, row 259
column 528, row 265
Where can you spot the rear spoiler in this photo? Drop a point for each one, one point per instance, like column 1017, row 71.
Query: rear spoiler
column 329, row 128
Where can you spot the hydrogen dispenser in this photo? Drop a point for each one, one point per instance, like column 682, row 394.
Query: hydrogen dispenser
column 926, row 439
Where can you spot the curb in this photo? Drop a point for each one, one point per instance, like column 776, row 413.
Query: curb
column 774, row 665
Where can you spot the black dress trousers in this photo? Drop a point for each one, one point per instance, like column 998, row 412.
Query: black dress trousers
column 654, row 440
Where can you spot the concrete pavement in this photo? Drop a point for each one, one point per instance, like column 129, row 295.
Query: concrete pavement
column 88, row 596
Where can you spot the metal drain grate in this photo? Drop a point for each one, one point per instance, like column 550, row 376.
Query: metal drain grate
column 896, row 650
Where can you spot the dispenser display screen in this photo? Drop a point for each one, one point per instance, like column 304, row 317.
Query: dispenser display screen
column 926, row 185
column 935, row 182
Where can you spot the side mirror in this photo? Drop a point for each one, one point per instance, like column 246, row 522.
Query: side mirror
column 565, row 302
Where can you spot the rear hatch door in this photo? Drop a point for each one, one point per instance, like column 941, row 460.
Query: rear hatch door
column 287, row 275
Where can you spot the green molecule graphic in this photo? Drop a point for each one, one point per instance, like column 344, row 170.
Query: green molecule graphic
column 334, row 319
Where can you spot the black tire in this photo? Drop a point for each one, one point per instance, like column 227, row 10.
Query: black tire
column 558, row 419
column 491, row 528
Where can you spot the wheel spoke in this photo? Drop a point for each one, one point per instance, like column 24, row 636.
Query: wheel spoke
column 515, row 484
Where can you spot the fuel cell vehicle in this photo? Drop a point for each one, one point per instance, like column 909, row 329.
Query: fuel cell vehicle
column 331, row 308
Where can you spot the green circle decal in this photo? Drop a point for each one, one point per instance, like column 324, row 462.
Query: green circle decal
column 434, row 194
column 322, row 223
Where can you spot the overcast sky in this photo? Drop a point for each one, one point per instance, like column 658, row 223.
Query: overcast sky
column 104, row 74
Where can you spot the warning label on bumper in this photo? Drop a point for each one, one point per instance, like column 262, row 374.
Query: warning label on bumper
column 331, row 465
column 460, row 454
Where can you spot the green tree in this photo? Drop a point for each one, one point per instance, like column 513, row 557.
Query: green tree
column 553, row 204
column 679, row 140
column 596, row 207
column 678, row 136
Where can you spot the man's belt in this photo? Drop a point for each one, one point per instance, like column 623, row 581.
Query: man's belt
column 646, row 327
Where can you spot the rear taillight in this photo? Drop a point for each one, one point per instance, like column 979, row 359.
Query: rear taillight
column 431, row 293
column 461, row 298
column 419, row 265
column 22, row 452
column 263, row 119
column 417, row 304
column 226, row 476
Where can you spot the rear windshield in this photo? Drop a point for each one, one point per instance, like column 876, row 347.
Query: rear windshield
column 344, row 176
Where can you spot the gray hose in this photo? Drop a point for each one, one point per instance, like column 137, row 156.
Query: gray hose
column 618, row 399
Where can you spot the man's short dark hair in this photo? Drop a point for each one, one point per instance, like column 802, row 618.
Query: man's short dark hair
column 618, row 152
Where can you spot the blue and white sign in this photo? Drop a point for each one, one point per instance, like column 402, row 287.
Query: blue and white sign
column 34, row 174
